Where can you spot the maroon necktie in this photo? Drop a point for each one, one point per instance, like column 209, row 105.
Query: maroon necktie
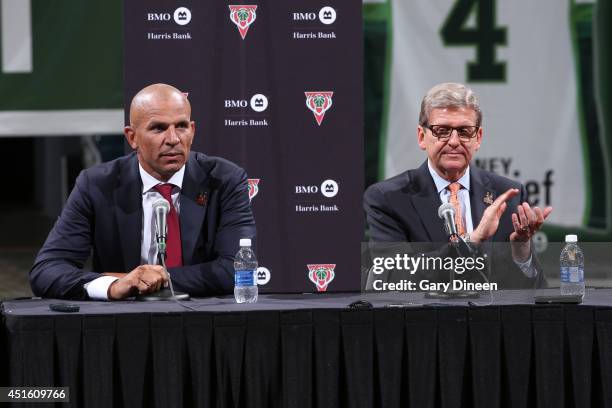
column 174, row 255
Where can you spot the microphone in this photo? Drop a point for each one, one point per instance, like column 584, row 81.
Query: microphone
column 161, row 207
column 446, row 212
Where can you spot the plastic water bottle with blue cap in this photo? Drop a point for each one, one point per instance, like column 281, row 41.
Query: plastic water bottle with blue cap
column 245, row 265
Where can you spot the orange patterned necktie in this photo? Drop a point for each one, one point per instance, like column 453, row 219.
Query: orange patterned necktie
column 454, row 200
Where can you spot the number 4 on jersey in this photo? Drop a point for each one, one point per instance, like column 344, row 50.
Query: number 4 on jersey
column 484, row 36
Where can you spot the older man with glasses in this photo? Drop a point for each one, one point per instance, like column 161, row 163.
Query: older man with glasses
column 488, row 207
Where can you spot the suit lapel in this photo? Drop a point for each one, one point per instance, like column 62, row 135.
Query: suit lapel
column 426, row 201
column 194, row 201
column 128, row 203
column 479, row 187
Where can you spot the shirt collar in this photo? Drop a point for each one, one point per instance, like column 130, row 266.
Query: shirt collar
column 442, row 183
column 148, row 181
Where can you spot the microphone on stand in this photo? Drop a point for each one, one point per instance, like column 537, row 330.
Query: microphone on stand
column 446, row 212
column 161, row 208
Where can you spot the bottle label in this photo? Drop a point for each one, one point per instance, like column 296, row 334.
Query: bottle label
column 244, row 278
column 572, row 274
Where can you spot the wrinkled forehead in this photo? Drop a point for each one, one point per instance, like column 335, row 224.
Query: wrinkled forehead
column 460, row 115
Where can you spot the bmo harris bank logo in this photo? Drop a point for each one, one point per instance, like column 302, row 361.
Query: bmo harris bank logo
column 181, row 16
column 258, row 103
column 314, row 24
column 311, row 202
column 240, row 109
column 328, row 188
column 326, row 15
column 263, row 275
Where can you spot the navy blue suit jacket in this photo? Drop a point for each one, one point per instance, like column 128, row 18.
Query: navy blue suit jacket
column 404, row 208
column 103, row 218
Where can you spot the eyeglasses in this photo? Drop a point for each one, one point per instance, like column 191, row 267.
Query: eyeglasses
column 443, row 132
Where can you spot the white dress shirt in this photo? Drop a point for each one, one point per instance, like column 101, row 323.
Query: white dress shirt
column 98, row 288
column 463, row 196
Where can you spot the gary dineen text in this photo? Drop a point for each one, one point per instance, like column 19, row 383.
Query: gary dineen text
column 414, row 264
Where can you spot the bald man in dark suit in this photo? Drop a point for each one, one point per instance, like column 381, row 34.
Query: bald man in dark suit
column 108, row 214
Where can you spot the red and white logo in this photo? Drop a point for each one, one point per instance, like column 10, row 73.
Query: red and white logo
column 321, row 275
column 243, row 16
column 319, row 103
column 253, row 188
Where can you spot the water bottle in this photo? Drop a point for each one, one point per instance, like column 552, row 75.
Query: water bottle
column 572, row 267
column 245, row 265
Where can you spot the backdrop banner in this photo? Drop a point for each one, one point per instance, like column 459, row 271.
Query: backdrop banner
column 275, row 87
column 531, row 64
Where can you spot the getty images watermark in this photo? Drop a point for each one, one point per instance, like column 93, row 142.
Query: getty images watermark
column 425, row 265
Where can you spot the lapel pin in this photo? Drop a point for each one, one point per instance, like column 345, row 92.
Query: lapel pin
column 201, row 199
column 488, row 198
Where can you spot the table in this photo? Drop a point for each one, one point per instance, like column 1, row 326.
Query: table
column 310, row 351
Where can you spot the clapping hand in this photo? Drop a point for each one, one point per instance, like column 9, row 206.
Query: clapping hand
column 527, row 221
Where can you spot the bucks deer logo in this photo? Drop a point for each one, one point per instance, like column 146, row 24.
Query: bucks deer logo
column 243, row 16
column 321, row 275
column 319, row 103
column 253, row 188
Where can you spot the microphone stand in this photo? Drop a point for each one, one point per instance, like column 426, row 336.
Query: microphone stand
column 167, row 293
column 458, row 244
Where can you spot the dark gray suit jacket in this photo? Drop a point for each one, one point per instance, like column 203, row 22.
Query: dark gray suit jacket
column 404, row 208
column 103, row 218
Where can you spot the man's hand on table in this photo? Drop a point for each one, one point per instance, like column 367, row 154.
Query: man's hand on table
column 143, row 279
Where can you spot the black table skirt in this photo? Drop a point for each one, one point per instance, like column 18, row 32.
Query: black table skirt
column 460, row 356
